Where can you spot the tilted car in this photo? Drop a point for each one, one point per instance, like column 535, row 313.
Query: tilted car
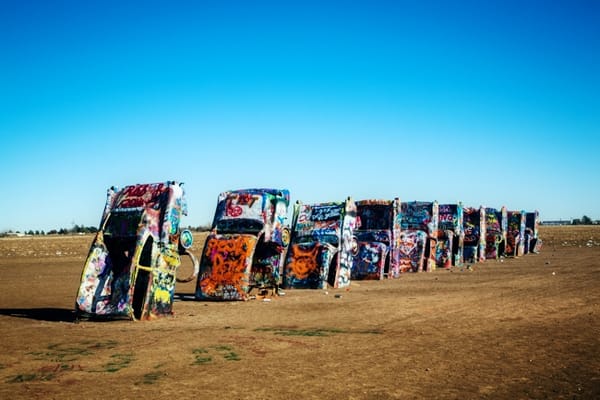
column 450, row 237
column 418, row 237
column 377, row 232
column 246, row 246
column 474, row 241
column 131, row 267
column 515, row 235
column 322, row 245
column 533, row 243
column 495, row 232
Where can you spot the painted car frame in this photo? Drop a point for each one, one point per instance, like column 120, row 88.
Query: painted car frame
column 450, row 237
column 130, row 270
column 321, row 250
column 377, row 232
column 246, row 246
column 418, row 237
column 495, row 232
column 474, row 230
column 515, row 235
column 533, row 243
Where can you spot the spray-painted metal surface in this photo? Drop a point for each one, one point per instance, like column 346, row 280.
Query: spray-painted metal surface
column 495, row 232
column 515, row 236
column 131, row 267
column 418, row 249
column 533, row 243
column 377, row 232
column 450, row 238
column 246, row 246
column 322, row 246
column 475, row 230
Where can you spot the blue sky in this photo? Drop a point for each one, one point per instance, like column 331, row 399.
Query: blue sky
column 488, row 103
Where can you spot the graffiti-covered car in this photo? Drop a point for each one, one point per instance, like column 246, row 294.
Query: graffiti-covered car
column 450, row 238
column 246, row 246
column 322, row 245
column 474, row 240
column 495, row 232
column 418, row 237
column 533, row 243
column 377, row 231
column 130, row 270
column 515, row 234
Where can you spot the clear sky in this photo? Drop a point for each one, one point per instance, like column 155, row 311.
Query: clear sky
column 488, row 103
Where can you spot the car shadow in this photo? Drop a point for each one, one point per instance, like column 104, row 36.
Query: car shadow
column 41, row 314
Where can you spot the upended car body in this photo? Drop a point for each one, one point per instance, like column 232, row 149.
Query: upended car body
column 450, row 237
column 322, row 245
column 246, row 246
column 131, row 267
column 377, row 232
column 515, row 235
column 474, row 228
column 533, row 243
column 417, row 241
column 495, row 232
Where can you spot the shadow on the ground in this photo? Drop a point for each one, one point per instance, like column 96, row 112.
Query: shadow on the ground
column 41, row 314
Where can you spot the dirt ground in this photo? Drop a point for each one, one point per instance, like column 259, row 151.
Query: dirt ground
column 524, row 328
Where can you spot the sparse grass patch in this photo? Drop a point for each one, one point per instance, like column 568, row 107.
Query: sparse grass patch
column 314, row 331
column 119, row 362
column 152, row 377
column 203, row 356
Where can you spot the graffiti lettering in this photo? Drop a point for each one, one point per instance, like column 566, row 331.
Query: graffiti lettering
column 324, row 213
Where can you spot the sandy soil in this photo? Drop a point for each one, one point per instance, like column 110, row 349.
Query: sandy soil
column 524, row 328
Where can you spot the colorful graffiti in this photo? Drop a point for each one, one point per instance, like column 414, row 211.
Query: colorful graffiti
column 411, row 249
column 308, row 265
column 328, row 229
column 422, row 216
column 450, row 237
column 495, row 236
column 259, row 217
column 515, row 243
column 225, row 267
column 131, row 267
column 533, row 243
column 474, row 239
column 378, row 227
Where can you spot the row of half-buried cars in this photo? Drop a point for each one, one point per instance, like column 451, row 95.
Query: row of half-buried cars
column 131, row 268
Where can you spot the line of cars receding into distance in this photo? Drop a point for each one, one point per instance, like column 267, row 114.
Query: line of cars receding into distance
column 131, row 268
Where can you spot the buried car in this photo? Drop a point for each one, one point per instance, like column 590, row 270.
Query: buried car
column 495, row 232
column 515, row 236
column 131, row 267
column 377, row 231
column 474, row 228
column 533, row 243
column 417, row 241
column 450, row 238
column 246, row 246
column 322, row 245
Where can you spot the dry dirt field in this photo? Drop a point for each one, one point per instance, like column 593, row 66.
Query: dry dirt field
column 524, row 328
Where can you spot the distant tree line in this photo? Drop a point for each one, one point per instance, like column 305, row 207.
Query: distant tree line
column 76, row 229
column 585, row 220
column 81, row 229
